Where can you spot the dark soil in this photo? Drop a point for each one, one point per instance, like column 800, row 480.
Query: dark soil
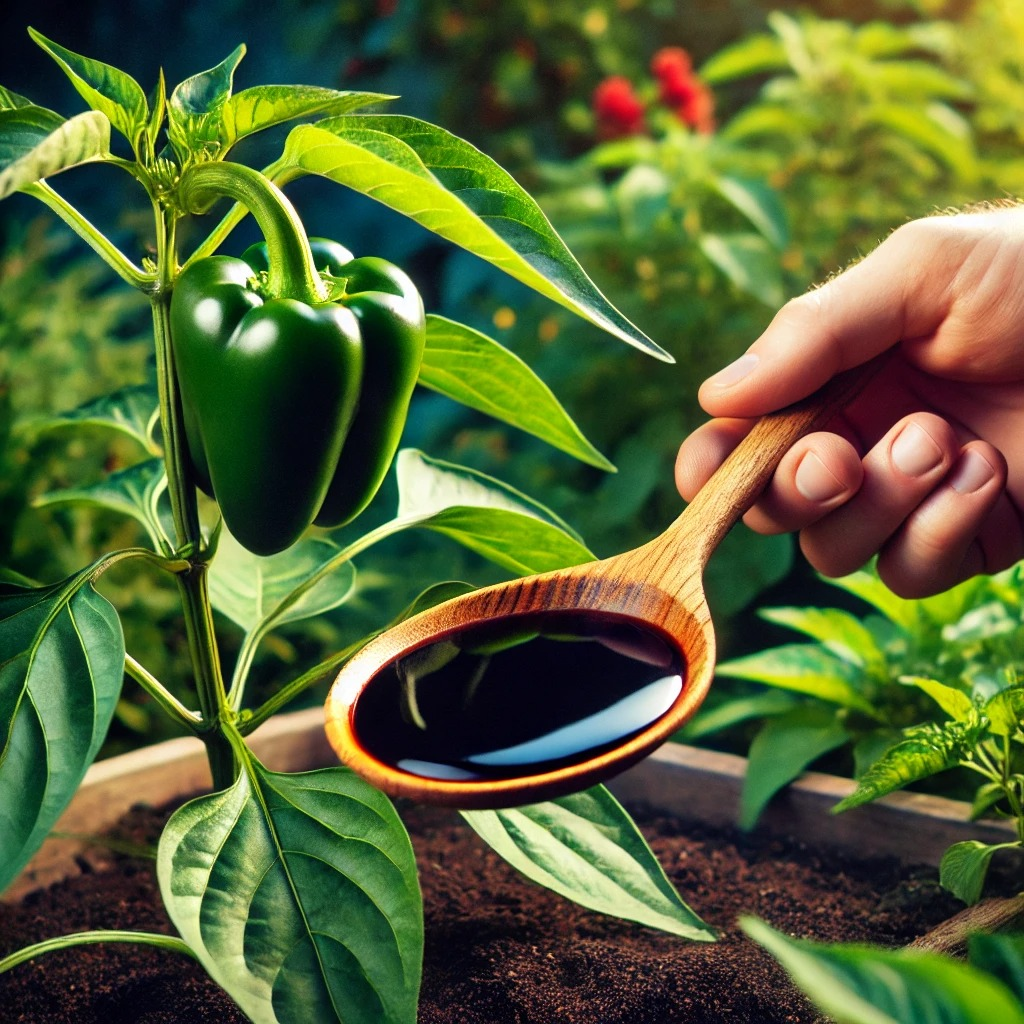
column 499, row 950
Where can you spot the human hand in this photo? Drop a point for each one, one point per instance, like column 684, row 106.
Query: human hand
column 926, row 467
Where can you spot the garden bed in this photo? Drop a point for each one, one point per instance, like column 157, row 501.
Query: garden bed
column 498, row 948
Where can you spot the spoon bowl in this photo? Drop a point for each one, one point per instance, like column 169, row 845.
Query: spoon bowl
column 540, row 686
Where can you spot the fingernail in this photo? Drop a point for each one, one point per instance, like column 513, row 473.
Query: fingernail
column 814, row 480
column 971, row 473
column 735, row 371
column 914, row 452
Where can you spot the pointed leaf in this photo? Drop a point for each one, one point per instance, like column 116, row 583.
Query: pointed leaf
column 842, row 633
column 249, row 589
column 61, row 666
column 484, row 515
column 195, row 106
column 734, row 711
column 129, row 410
column 587, row 848
column 759, row 203
column 782, row 750
column 105, row 88
column 749, row 262
column 299, row 895
column 471, row 368
column 1001, row 956
column 939, row 132
column 138, row 491
column 11, row 101
column 1005, row 711
column 36, row 143
column 753, row 55
column 856, row 984
column 264, row 106
column 926, row 751
column 965, row 865
column 866, row 585
column 802, row 668
column 954, row 702
column 454, row 190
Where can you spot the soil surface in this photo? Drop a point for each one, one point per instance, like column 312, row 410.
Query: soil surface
column 499, row 950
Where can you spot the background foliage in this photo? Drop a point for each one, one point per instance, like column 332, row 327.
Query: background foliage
column 833, row 122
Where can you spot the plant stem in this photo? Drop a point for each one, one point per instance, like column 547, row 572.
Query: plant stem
column 292, row 273
column 114, row 258
column 249, row 722
column 161, row 694
column 192, row 585
column 91, row 938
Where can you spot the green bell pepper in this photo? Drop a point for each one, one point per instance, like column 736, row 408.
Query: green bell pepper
column 393, row 327
column 268, row 388
column 295, row 365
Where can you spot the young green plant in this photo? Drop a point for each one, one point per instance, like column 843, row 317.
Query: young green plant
column 245, row 867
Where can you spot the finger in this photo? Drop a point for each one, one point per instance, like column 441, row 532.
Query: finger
column 939, row 545
column 872, row 306
column 816, row 476
column 900, row 472
column 704, row 451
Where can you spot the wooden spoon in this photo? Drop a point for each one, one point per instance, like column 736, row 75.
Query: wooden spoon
column 658, row 587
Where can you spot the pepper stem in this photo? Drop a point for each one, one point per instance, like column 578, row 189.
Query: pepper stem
column 292, row 272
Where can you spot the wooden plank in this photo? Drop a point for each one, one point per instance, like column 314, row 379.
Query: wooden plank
column 688, row 782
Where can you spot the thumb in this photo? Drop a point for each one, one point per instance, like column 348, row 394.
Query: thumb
column 841, row 324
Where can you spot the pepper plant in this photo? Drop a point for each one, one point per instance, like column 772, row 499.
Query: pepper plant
column 910, row 690
column 282, row 382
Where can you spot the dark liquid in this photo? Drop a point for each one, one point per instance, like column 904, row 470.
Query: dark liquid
column 529, row 695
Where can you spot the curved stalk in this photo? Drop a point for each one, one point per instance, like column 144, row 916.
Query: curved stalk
column 93, row 237
column 21, row 956
column 249, row 722
column 292, row 272
column 174, row 708
column 255, row 637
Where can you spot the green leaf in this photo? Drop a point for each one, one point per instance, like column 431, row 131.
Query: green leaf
column 782, row 750
column 61, row 666
column 451, row 188
column 105, row 88
column 857, row 984
column 802, row 668
column 753, row 55
column 842, row 633
column 734, row 711
column 264, row 106
column 194, row 110
column 138, row 491
column 130, row 410
column 298, row 894
column 768, row 119
column 937, row 131
column 749, row 262
column 587, row 848
column 954, row 702
column 926, row 751
column 1001, row 956
column 1005, row 711
column 11, row 101
column 475, row 370
column 964, row 866
column 759, row 203
column 249, row 589
column 866, row 585
column 484, row 515
column 36, row 143
column 918, row 80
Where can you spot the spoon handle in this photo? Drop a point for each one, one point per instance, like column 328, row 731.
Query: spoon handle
column 741, row 478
